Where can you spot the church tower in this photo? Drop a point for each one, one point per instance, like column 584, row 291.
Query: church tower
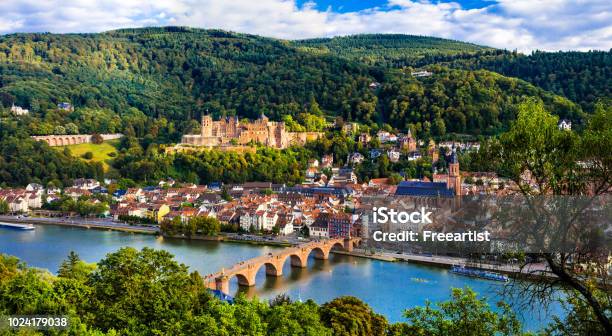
column 454, row 176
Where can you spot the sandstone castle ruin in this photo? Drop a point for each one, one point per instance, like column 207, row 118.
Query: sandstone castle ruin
column 230, row 132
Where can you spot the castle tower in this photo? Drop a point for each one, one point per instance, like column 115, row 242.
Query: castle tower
column 232, row 127
column 207, row 125
column 454, row 176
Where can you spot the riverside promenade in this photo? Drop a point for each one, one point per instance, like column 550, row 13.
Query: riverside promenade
column 535, row 270
column 88, row 223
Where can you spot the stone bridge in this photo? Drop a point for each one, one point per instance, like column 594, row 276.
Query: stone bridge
column 246, row 271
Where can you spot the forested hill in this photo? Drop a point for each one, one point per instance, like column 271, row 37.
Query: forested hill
column 583, row 77
column 127, row 79
column 386, row 49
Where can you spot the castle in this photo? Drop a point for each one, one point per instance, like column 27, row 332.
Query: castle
column 230, row 131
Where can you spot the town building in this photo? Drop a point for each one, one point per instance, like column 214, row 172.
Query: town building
column 350, row 128
column 332, row 225
column 364, row 138
column 327, row 161
column 422, row 73
column 65, row 106
column 356, row 158
column 384, row 136
column 565, row 125
column 18, row 110
column 394, row 155
column 408, row 142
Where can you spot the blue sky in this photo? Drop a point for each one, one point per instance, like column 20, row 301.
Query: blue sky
column 524, row 25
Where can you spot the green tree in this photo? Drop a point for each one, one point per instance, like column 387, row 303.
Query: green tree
column 349, row 316
column 580, row 319
column 140, row 291
column 96, row 138
column 464, row 315
column 554, row 159
column 4, row 207
column 75, row 268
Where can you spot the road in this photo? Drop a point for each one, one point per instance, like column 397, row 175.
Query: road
column 534, row 269
column 81, row 222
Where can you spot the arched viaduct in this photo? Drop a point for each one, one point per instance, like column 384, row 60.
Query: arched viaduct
column 65, row 140
column 246, row 271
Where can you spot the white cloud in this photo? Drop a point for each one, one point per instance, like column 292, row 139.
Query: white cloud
column 513, row 24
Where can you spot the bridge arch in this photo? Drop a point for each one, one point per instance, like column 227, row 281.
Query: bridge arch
column 321, row 252
column 298, row 260
column 244, row 279
column 272, row 269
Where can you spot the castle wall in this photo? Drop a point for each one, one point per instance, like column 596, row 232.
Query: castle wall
column 269, row 133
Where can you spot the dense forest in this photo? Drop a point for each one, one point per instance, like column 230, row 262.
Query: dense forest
column 386, row 49
column 153, row 84
column 582, row 77
column 180, row 73
column 23, row 160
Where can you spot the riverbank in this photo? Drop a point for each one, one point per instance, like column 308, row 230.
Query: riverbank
column 365, row 255
column 533, row 271
column 229, row 239
column 81, row 223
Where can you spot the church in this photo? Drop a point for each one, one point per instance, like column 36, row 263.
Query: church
column 443, row 185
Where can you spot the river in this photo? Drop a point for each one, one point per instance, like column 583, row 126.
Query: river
column 388, row 287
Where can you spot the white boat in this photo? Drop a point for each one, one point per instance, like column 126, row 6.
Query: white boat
column 26, row 227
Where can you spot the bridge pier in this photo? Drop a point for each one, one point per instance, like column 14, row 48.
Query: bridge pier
column 348, row 245
column 222, row 284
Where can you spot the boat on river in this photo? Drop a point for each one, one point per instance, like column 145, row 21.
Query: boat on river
column 478, row 273
column 26, row 227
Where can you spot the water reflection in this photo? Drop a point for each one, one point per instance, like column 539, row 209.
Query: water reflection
column 267, row 286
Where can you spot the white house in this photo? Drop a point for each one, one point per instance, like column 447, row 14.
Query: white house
column 18, row 110
column 565, row 125
column 34, row 187
column 34, row 200
column 394, row 155
column 356, row 158
column 384, row 136
column 17, row 204
column 269, row 220
column 88, row 184
column 319, row 230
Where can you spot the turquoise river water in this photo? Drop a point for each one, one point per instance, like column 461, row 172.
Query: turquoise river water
column 386, row 286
